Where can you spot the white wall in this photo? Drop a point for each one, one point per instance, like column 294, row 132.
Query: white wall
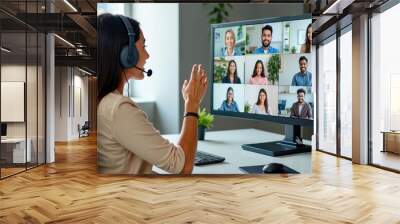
column 12, row 93
column 68, row 82
column 114, row 8
column 79, row 117
column 16, row 73
column 160, row 25
column 33, row 126
column 61, row 103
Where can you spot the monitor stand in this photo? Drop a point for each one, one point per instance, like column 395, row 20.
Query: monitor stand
column 286, row 146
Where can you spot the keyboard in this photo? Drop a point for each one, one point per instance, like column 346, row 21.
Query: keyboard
column 203, row 158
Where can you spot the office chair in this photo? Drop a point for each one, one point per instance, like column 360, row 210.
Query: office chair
column 84, row 130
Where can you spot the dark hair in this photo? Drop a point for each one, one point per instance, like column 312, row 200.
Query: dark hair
column 301, row 91
column 303, row 58
column 266, row 99
column 255, row 68
column 112, row 37
column 266, row 27
column 235, row 76
column 227, row 91
column 307, row 41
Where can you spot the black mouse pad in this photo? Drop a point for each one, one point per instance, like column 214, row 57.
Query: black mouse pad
column 258, row 169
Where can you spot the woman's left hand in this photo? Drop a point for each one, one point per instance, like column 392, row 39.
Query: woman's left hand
column 194, row 90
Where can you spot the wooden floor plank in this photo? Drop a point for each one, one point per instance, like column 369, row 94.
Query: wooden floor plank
column 70, row 191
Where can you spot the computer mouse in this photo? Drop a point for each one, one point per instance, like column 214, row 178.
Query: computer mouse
column 273, row 168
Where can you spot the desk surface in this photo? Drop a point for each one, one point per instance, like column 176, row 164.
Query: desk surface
column 229, row 145
column 391, row 132
column 13, row 140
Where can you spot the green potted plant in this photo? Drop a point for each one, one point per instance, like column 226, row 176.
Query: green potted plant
column 286, row 48
column 219, row 12
column 293, row 50
column 247, row 107
column 220, row 70
column 273, row 66
column 247, row 42
column 205, row 122
column 240, row 33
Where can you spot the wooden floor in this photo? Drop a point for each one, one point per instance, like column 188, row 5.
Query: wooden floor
column 70, row 191
column 10, row 171
column 387, row 159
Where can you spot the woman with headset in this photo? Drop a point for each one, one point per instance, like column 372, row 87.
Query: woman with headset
column 127, row 141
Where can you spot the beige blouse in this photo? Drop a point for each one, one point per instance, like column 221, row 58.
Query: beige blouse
column 128, row 143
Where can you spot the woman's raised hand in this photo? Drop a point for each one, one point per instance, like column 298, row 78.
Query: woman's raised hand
column 194, row 90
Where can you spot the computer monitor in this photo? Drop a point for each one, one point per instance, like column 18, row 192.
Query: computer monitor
column 3, row 130
column 263, row 70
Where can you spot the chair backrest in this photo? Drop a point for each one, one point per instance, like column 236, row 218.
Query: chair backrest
column 86, row 125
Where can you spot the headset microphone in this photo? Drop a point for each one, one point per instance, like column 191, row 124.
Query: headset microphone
column 148, row 72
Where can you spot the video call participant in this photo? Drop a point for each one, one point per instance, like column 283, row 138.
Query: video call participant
column 304, row 77
column 231, row 73
column 266, row 39
column 301, row 109
column 127, row 142
column 261, row 106
column 258, row 76
column 229, row 103
column 230, row 42
column 306, row 47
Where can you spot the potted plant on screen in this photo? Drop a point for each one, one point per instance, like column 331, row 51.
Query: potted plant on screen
column 220, row 70
column 205, row 122
column 247, row 107
column 273, row 66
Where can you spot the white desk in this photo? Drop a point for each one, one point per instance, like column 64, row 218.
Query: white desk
column 18, row 149
column 228, row 144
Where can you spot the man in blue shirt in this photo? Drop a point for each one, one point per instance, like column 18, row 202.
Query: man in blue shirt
column 304, row 77
column 266, row 39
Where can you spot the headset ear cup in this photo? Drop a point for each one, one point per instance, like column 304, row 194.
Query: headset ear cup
column 124, row 57
column 126, row 61
column 135, row 56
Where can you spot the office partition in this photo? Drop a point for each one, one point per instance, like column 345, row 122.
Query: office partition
column 23, row 87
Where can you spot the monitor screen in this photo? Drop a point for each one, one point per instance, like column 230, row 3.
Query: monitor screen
column 263, row 69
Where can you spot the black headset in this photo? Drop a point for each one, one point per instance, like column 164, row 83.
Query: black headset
column 129, row 55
